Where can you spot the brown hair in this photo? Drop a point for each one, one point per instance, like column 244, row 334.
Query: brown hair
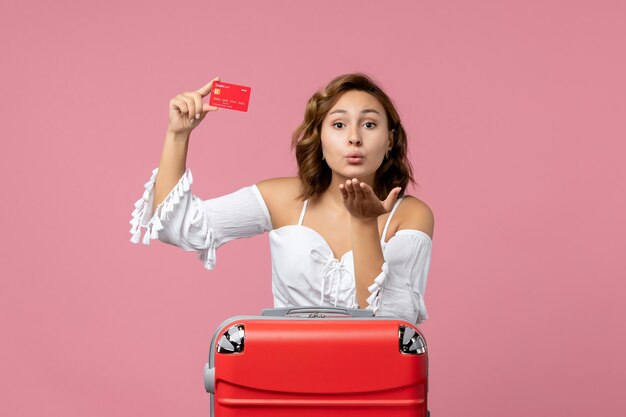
column 315, row 173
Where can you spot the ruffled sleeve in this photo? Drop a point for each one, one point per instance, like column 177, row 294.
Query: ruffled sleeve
column 398, row 290
column 186, row 221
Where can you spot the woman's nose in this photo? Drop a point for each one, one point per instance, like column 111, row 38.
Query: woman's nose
column 354, row 138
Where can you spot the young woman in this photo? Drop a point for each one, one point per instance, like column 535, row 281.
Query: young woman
column 342, row 232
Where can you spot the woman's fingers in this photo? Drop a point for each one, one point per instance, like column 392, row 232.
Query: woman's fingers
column 368, row 192
column 350, row 189
column 186, row 104
column 201, row 108
column 206, row 107
column 359, row 192
column 191, row 105
column 197, row 109
column 177, row 103
column 343, row 191
column 391, row 199
column 187, row 109
column 206, row 89
column 196, row 100
column 203, row 92
column 360, row 199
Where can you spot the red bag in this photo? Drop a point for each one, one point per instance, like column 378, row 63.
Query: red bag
column 317, row 361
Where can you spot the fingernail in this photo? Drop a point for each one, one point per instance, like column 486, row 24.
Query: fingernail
column 198, row 116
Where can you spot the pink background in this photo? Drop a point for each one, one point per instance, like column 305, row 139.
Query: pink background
column 516, row 118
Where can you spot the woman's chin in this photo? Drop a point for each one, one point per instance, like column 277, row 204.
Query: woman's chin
column 358, row 172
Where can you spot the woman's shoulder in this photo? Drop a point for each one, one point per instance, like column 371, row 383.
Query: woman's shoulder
column 282, row 187
column 414, row 213
column 276, row 192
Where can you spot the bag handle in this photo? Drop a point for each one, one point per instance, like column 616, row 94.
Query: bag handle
column 316, row 311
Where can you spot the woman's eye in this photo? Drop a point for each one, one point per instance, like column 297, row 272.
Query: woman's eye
column 369, row 125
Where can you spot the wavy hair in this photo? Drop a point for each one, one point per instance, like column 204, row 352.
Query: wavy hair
column 314, row 173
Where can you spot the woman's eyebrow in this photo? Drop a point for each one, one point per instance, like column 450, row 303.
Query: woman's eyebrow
column 362, row 111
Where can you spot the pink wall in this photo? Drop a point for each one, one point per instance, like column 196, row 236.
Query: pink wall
column 516, row 116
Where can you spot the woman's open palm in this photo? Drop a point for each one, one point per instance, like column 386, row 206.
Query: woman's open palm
column 360, row 200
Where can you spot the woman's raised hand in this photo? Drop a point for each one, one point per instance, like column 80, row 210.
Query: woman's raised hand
column 361, row 202
column 187, row 109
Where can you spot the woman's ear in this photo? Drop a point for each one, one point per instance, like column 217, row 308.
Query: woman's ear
column 391, row 135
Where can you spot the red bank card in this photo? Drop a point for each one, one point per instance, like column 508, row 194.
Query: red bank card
column 230, row 96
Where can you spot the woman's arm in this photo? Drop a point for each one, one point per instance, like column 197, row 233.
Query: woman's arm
column 193, row 224
column 170, row 212
column 395, row 278
column 399, row 289
column 367, row 252
column 172, row 165
column 186, row 112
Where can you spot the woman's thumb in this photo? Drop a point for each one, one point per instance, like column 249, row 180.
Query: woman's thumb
column 206, row 107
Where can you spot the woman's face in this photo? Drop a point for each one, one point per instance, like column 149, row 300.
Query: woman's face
column 355, row 136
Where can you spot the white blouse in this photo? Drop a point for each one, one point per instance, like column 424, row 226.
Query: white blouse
column 304, row 269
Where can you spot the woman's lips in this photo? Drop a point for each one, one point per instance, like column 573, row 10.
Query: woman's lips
column 354, row 159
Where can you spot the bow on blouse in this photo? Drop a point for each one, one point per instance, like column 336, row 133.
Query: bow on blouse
column 332, row 272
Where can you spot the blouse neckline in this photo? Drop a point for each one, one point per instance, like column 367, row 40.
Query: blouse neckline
column 327, row 245
column 322, row 239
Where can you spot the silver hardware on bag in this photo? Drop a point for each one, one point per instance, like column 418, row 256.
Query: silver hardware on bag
column 209, row 378
column 411, row 342
column 321, row 315
column 232, row 340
